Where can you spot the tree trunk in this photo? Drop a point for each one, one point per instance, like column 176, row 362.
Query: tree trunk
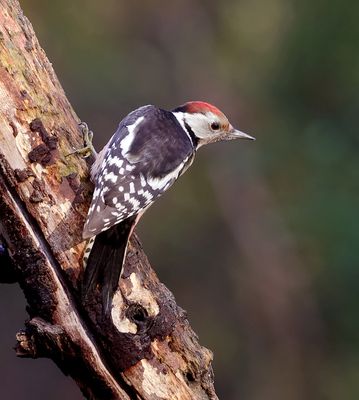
column 146, row 350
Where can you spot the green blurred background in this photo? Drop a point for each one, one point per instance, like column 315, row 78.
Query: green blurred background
column 258, row 241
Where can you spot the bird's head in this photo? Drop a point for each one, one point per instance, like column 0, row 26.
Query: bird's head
column 207, row 123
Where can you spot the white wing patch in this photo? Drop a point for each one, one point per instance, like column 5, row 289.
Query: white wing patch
column 126, row 142
column 163, row 183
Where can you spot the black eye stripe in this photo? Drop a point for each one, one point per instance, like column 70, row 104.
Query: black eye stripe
column 215, row 126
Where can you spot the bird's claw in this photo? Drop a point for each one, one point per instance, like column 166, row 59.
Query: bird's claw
column 88, row 148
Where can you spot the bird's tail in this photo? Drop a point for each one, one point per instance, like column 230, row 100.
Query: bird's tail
column 105, row 261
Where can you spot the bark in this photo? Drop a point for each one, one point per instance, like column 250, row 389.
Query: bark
column 146, row 350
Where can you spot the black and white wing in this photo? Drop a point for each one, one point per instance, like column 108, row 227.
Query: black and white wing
column 143, row 158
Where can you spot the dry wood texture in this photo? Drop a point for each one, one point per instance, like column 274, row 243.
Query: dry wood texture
column 146, row 350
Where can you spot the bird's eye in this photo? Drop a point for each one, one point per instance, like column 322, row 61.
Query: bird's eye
column 215, row 126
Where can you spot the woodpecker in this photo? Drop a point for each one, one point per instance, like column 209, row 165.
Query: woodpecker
column 149, row 151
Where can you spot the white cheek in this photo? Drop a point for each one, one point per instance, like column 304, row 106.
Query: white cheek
column 199, row 125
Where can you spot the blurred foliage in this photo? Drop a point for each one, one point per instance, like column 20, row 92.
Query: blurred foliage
column 286, row 72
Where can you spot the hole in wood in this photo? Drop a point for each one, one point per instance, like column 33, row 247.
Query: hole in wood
column 189, row 376
column 137, row 314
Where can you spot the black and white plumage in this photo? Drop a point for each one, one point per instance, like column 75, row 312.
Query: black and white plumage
column 149, row 151
column 143, row 158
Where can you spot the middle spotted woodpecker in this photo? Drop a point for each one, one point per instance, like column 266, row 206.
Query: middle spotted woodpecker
column 151, row 148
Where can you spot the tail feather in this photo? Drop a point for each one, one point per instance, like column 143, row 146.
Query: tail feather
column 105, row 262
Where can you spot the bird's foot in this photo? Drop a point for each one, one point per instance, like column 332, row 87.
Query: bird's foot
column 88, row 148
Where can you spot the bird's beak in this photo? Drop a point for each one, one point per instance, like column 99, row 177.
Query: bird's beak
column 236, row 134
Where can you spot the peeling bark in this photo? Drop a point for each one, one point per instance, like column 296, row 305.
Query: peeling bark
column 146, row 349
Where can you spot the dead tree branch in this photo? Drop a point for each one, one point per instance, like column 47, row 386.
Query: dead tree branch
column 147, row 350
